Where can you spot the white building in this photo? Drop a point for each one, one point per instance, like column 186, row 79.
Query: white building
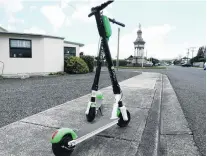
column 33, row 54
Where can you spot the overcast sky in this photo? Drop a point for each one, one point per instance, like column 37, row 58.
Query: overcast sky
column 169, row 27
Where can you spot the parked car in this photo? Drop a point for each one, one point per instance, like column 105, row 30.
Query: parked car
column 149, row 64
column 186, row 65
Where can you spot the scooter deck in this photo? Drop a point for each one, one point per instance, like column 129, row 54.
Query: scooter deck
column 91, row 129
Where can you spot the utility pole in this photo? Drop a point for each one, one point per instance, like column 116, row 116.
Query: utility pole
column 117, row 61
column 187, row 55
column 192, row 50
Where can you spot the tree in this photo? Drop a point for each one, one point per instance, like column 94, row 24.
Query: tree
column 201, row 52
column 201, row 55
column 177, row 61
column 81, row 54
column 154, row 60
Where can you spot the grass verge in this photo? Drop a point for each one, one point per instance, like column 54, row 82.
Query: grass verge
column 154, row 67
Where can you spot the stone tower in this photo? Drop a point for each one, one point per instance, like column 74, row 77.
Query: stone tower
column 138, row 47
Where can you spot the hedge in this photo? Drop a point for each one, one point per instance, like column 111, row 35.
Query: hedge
column 121, row 63
column 75, row 65
column 89, row 60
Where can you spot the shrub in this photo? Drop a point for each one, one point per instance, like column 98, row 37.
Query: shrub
column 202, row 59
column 89, row 61
column 75, row 65
column 121, row 63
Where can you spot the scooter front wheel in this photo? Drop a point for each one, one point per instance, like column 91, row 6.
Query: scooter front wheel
column 91, row 115
column 59, row 149
column 121, row 122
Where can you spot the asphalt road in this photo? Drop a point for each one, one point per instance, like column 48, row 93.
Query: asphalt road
column 22, row 98
column 190, row 86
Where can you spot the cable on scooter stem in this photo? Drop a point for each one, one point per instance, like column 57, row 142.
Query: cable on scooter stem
column 98, row 46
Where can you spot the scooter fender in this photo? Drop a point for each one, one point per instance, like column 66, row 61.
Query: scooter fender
column 114, row 111
column 88, row 108
column 124, row 113
column 60, row 133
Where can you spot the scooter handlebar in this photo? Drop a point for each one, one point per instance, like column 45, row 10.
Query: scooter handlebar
column 100, row 7
column 118, row 23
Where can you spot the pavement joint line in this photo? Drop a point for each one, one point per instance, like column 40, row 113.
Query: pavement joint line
column 117, row 138
column 38, row 124
column 131, row 107
column 169, row 134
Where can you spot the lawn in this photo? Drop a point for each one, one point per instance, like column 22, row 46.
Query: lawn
column 153, row 67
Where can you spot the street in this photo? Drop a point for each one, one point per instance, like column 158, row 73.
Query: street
column 190, row 87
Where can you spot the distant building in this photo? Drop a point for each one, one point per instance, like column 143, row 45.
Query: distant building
column 139, row 43
column 129, row 60
column 185, row 60
column 33, row 54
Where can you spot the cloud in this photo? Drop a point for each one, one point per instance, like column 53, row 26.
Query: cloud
column 11, row 6
column 33, row 7
column 11, row 27
column 68, row 21
column 64, row 3
column 34, row 30
column 155, row 43
column 82, row 11
column 13, row 20
column 55, row 15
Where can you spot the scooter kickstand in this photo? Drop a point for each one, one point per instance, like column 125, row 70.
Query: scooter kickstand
column 100, row 111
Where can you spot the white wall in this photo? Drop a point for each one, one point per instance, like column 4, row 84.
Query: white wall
column 47, row 56
column 22, row 65
column 198, row 64
column 72, row 45
column 53, row 55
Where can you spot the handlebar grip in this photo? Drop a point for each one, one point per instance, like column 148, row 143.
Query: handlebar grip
column 118, row 23
column 99, row 8
column 106, row 4
column 91, row 13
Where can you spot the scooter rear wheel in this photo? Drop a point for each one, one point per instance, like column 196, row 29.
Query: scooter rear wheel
column 121, row 122
column 57, row 148
column 91, row 115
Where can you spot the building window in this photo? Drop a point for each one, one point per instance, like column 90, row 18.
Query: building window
column 20, row 48
column 69, row 51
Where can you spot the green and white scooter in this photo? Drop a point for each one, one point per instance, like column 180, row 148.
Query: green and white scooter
column 64, row 140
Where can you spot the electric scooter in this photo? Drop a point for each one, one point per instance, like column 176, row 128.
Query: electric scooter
column 64, row 140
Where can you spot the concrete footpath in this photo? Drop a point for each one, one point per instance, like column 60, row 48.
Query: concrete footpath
column 157, row 128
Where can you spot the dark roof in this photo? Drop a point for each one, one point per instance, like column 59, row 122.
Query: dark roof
column 139, row 31
column 30, row 34
column 139, row 41
column 75, row 43
column 40, row 35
